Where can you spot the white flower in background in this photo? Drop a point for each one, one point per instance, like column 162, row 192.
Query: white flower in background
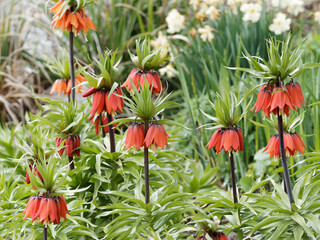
column 161, row 42
column 280, row 3
column 194, row 3
column 206, row 33
column 280, row 24
column 252, row 11
column 212, row 12
column 317, row 17
column 213, row 2
column 175, row 21
column 234, row 5
column 295, row 7
column 168, row 70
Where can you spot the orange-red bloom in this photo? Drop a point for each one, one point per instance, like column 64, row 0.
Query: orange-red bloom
column 35, row 171
column 295, row 93
column 157, row 136
column 292, row 144
column 71, row 20
column 281, row 101
column 135, row 136
column 139, row 78
column 46, row 208
column 72, row 144
column 102, row 102
column 97, row 124
column 229, row 139
column 64, row 86
column 263, row 99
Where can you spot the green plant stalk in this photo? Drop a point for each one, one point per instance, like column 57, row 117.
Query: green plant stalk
column 233, row 178
column 111, row 135
column 72, row 77
column 146, row 166
column 45, row 232
column 71, row 163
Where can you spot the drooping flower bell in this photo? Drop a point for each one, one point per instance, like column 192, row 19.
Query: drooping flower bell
column 69, row 19
column 230, row 139
column 140, row 77
column 292, row 144
column 35, row 171
column 64, row 86
column 72, row 144
column 135, row 136
column 144, row 73
column 263, row 99
column 104, row 121
column 157, row 136
column 280, row 101
column 295, row 93
column 104, row 102
column 46, row 208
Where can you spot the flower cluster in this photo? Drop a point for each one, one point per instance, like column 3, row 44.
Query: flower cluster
column 231, row 139
column 292, row 144
column 64, row 85
column 70, row 20
column 156, row 136
column 104, row 122
column 103, row 101
column 35, row 171
column 46, row 208
column 139, row 78
column 72, row 144
column 279, row 99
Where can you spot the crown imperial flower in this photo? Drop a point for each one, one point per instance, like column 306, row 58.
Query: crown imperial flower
column 135, row 136
column 157, row 136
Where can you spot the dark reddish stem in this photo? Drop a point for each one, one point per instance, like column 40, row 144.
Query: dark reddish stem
column 283, row 156
column 45, row 232
column 146, row 166
column 111, row 135
column 233, row 179
column 102, row 128
column 71, row 163
column 72, row 77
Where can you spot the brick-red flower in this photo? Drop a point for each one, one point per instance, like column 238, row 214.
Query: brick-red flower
column 35, row 171
column 72, row 144
column 137, row 77
column 102, row 102
column 157, row 136
column 46, row 209
column 71, row 20
column 64, row 86
column 281, row 101
column 135, row 136
column 292, row 144
column 228, row 139
column 263, row 99
column 295, row 93
column 97, row 124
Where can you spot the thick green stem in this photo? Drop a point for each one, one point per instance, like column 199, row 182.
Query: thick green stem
column 233, row 178
column 72, row 77
column 146, row 166
column 111, row 135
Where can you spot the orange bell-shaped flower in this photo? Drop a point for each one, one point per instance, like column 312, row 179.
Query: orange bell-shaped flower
column 135, row 136
column 263, row 99
column 281, row 101
column 157, row 136
column 295, row 93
